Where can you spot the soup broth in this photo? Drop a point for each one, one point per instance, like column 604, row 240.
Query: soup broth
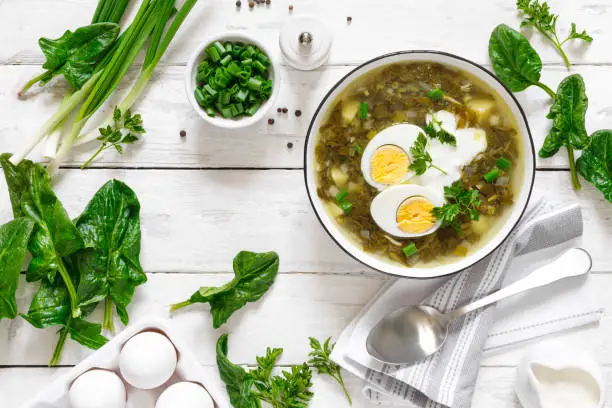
column 404, row 93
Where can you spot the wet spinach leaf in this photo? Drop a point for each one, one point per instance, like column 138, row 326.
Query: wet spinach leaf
column 568, row 122
column 54, row 236
column 237, row 381
column 254, row 274
column 51, row 307
column 14, row 237
column 595, row 164
column 76, row 54
column 515, row 61
column 110, row 269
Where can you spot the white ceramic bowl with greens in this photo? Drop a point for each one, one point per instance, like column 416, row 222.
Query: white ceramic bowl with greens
column 349, row 240
column 190, row 82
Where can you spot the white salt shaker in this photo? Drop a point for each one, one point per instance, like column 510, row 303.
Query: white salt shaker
column 305, row 42
column 555, row 375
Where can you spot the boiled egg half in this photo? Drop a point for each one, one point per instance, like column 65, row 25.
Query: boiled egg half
column 386, row 159
column 404, row 210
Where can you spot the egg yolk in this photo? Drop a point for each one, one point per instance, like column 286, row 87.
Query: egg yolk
column 414, row 215
column 389, row 165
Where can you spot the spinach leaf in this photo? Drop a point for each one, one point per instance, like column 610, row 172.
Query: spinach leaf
column 595, row 164
column 110, row 270
column 75, row 54
column 568, row 116
column 254, row 274
column 51, row 307
column 515, row 61
column 54, row 236
column 14, row 238
column 237, row 381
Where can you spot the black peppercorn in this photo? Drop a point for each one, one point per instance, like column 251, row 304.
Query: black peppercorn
column 238, row 4
column 290, row 145
column 298, row 113
column 285, row 110
column 270, row 121
column 182, row 133
column 349, row 19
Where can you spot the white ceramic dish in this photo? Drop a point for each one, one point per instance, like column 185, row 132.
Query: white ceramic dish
column 188, row 369
column 521, row 198
column 192, row 70
column 552, row 373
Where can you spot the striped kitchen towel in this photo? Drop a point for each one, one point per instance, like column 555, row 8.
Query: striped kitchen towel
column 447, row 378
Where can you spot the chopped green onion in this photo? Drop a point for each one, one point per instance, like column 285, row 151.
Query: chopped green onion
column 341, row 196
column 242, row 94
column 435, row 94
column 252, row 109
column 254, row 84
column 200, row 98
column 233, row 81
column 259, row 66
column 410, row 249
column 211, row 111
column 504, row 163
column 213, row 53
column 226, row 60
column 346, row 206
column 358, row 149
column 363, row 110
column 492, row 175
column 219, row 47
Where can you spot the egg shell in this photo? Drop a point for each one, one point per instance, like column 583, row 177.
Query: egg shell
column 97, row 389
column 385, row 205
column 402, row 135
column 185, row 395
column 147, row 360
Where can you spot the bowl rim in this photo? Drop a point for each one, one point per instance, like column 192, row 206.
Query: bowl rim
column 424, row 52
column 189, row 81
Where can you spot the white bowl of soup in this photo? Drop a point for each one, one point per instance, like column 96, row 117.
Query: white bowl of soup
column 419, row 163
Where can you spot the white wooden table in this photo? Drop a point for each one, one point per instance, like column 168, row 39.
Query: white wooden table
column 208, row 195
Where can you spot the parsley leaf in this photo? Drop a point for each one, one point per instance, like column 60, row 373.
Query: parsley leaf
column 125, row 130
column 421, row 159
column 539, row 15
column 319, row 359
column 461, row 203
column 435, row 131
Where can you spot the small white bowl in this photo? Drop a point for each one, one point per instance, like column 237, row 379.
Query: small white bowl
column 190, row 82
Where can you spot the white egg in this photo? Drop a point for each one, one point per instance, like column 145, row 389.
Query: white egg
column 147, row 360
column 97, row 389
column 386, row 204
column 185, row 395
column 402, row 135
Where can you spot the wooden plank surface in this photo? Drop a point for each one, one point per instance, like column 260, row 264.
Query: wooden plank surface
column 197, row 220
column 166, row 112
column 213, row 193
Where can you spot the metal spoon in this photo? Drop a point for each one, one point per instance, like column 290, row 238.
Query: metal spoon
column 412, row 333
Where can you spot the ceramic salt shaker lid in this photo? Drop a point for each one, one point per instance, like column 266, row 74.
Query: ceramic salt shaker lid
column 556, row 375
column 305, row 42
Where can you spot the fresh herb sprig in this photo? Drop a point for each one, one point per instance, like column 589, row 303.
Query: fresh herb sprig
column 435, row 130
column 539, row 15
column 421, row 159
column 125, row 129
column 461, row 204
column 321, row 361
column 246, row 389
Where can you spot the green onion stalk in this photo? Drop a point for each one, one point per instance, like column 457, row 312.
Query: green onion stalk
column 155, row 52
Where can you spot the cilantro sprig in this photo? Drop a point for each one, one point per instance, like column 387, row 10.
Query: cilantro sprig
column 421, row 159
column 539, row 15
column 435, row 131
column 321, row 361
column 461, row 203
column 125, row 130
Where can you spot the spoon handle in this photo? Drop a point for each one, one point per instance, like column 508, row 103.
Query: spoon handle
column 574, row 262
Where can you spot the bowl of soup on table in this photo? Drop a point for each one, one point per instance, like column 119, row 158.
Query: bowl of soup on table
column 419, row 163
